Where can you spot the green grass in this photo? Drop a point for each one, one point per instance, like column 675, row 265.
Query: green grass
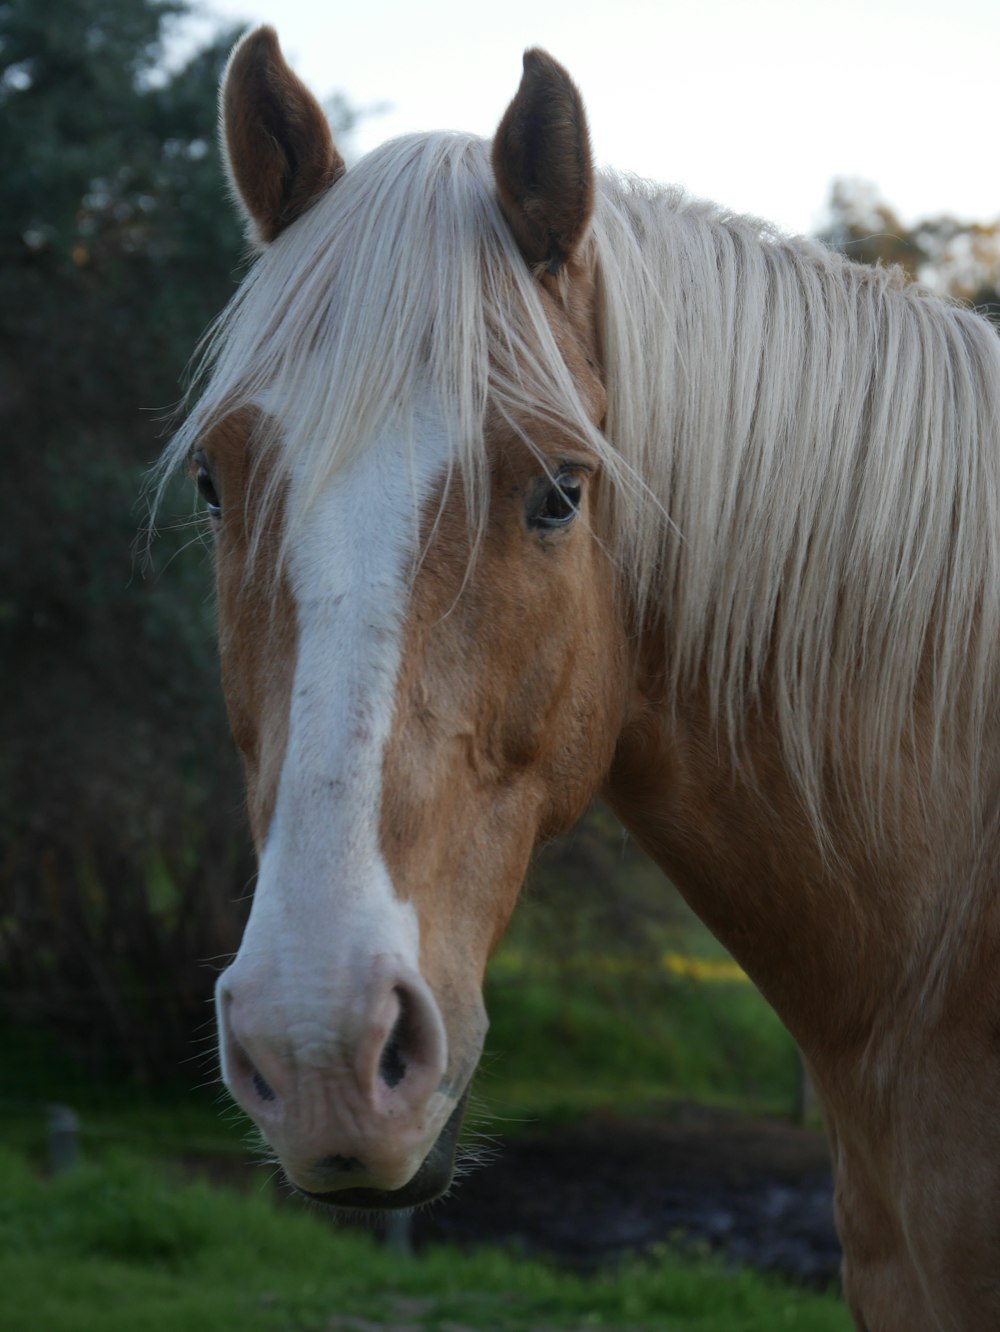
column 566, row 1040
column 115, row 1246
column 584, row 1014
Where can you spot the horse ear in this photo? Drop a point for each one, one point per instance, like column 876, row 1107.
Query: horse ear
column 542, row 164
column 277, row 144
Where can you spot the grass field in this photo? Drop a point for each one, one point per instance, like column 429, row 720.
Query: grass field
column 569, row 1039
column 609, row 991
column 118, row 1245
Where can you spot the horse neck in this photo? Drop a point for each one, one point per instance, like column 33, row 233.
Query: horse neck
column 832, row 927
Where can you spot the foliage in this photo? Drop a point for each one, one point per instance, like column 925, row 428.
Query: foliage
column 119, row 1246
column 950, row 255
column 117, row 782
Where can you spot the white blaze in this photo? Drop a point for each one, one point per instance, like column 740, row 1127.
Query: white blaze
column 324, row 908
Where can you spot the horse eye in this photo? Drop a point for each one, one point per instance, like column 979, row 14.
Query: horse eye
column 560, row 502
column 206, row 486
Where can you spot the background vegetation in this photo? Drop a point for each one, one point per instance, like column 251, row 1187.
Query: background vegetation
column 121, row 836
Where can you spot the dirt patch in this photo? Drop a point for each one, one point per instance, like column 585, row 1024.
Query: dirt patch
column 759, row 1192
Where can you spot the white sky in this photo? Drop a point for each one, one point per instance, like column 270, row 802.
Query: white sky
column 758, row 105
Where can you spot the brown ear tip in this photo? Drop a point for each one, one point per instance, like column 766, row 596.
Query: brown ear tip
column 541, row 69
column 538, row 60
column 265, row 35
column 259, row 44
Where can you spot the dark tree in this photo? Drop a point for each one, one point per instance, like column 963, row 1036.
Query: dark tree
column 122, row 838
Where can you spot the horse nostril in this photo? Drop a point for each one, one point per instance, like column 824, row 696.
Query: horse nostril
column 392, row 1065
column 402, row 1055
column 262, row 1088
column 241, row 1068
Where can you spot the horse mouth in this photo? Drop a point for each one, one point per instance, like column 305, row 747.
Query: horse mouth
column 431, row 1180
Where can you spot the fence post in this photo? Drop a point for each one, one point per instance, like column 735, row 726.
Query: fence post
column 398, row 1231
column 63, row 1146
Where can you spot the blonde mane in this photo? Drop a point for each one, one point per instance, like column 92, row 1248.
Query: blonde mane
column 804, row 453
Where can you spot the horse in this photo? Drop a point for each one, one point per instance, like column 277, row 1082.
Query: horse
column 532, row 484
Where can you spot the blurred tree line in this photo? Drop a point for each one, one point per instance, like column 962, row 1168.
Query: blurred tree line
column 956, row 258
column 121, row 842
column 124, row 861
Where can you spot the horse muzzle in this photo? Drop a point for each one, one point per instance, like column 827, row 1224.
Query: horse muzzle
column 356, row 1102
column 433, row 1177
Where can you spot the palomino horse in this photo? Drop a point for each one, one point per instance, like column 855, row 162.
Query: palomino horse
column 531, row 484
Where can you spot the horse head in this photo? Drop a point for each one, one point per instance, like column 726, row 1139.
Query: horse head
column 418, row 621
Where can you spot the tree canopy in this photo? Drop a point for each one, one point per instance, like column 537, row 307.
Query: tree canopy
column 117, row 245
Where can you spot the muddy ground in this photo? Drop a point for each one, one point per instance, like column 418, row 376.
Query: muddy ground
column 758, row 1192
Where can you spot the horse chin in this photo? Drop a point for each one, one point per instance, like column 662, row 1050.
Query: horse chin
column 431, row 1180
